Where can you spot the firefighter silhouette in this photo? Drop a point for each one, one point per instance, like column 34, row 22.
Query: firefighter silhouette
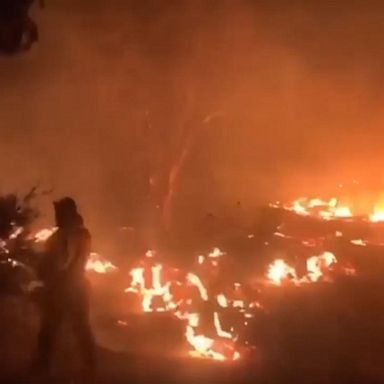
column 65, row 297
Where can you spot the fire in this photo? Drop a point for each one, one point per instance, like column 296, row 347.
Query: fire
column 325, row 209
column 195, row 280
column 316, row 268
column 342, row 211
column 207, row 347
column 191, row 295
column 149, row 282
column 152, row 283
column 331, row 209
column 316, row 265
column 216, row 252
column 280, row 271
column 222, row 300
column 359, row 242
column 44, row 234
column 202, row 345
column 378, row 210
column 16, row 233
column 377, row 215
column 97, row 264
column 156, row 289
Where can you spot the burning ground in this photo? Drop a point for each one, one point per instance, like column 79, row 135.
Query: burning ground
column 301, row 302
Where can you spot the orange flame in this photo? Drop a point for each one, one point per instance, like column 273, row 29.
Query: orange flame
column 279, row 271
column 316, row 265
column 44, row 234
column 330, row 209
column 149, row 281
column 97, row 264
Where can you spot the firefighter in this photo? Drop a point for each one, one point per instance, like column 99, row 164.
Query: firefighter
column 65, row 296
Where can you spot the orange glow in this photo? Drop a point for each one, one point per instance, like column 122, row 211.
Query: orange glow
column 316, row 266
column 97, row 264
column 44, row 234
column 377, row 215
column 152, row 280
column 279, row 271
column 331, row 209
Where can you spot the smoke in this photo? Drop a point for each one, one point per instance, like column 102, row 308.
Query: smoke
column 295, row 89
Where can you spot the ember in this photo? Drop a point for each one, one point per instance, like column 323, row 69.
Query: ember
column 329, row 209
column 44, row 234
column 280, row 271
column 149, row 281
column 316, row 268
column 97, row 264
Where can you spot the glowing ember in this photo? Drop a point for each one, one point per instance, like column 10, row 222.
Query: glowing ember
column 279, row 271
column 377, row 215
column 222, row 301
column 149, row 290
column 151, row 280
column 201, row 259
column 318, row 207
column 216, row 252
column 359, row 242
column 330, row 209
column 207, row 347
column 44, row 234
column 18, row 231
column 342, row 212
column 316, row 265
column 97, row 264
column 195, row 280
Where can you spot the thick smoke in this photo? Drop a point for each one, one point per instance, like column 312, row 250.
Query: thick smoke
column 295, row 91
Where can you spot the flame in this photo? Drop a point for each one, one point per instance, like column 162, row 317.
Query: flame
column 97, row 264
column 195, row 280
column 205, row 347
column 359, row 242
column 157, row 288
column 151, row 280
column 216, row 252
column 377, row 215
column 279, row 271
column 316, row 265
column 44, row 234
column 222, row 300
column 202, row 345
column 330, row 209
column 325, row 209
column 18, row 231
column 201, row 259
column 342, row 211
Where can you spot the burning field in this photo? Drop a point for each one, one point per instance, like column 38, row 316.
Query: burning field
column 300, row 300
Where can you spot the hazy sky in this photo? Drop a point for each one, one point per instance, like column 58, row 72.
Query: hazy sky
column 297, row 86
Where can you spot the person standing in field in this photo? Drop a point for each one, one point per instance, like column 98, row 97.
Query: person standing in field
column 65, row 296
